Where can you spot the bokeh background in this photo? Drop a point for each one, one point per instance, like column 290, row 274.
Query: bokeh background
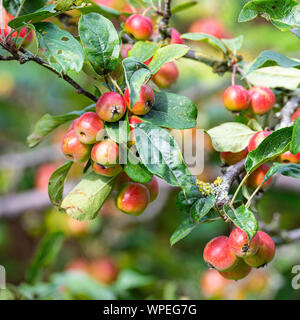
column 117, row 256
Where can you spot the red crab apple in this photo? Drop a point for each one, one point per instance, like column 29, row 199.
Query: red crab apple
column 166, row 75
column 78, row 265
column 89, row 127
column 236, row 98
column 288, row 157
column 238, row 272
column 218, row 254
column 105, row 270
column 209, row 26
column 125, row 48
column 133, row 120
column 139, row 26
column 296, row 114
column 213, row 285
column 176, row 37
column 262, row 99
column 239, row 243
column 265, row 253
column 230, row 158
column 106, row 153
column 133, row 198
column 145, row 102
column 43, row 175
column 257, row 177
column 111, row 107
column 153, row 188
column 107, row 171
column 257, row 139
column 73, row 149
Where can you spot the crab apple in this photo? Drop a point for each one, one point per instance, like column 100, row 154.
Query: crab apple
column 106, row 171
column 257, row 139
column 105, row 152
column 43, row 175
column 218, row 254
column 133, row 198
column 89, row 127
column 257, row 177
column 288, row 157
column 238, row 272
column 209, row 26
column 76, row 227
column 213, row 285
column 78, row 265
column 230, row 158
column 296, row 114
column 239, row 243
column 176, row 37
column 153, row 188
column 265, row 253
column 111, row 107
column 125, row 48
column 133, row 120
column 105, row 270
column 236, row 98
column 145, row 102
column 166, row 75
column 73, row 149
column 139, row 26
column 262, row 99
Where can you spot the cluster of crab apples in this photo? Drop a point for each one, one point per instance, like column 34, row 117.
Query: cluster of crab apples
column 234, row 257
column 260, row 100
column 86, row 139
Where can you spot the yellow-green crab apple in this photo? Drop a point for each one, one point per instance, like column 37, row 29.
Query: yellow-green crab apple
column 106, row 153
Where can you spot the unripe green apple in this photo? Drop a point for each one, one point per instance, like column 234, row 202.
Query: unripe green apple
column 166, row 75
column 236, row 98
column 133, row 198
column 139, row 26
column 106, row 153
column 239, row 243
column 265, row 253
column 89, row 127
column 262, row 99
column 107, row 171
column 218, row 254
column 238, row 272
column 73, row 149
column 145, row 102
column 111, row 107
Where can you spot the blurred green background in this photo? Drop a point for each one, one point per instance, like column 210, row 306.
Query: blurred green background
column 132, row 256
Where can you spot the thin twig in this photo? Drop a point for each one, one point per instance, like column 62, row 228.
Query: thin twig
column 287, row 111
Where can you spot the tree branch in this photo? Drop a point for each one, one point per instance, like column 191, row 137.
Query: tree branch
column 287, row 111
column 28, row 56
column 164, row 24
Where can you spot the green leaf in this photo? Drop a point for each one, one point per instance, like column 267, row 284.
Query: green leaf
column 206, row 38
column 118, row 131
column 276, row 77
column 136, row 74
column 289, row 170
column 45, row 255
column 184, row 229
column 230, row 136
column 98, row 8
column 129, row 279
column 183, row 6
column 234, row 44
column 284, row 14
column 161, row 155
column 243, row 218
column 62, row 51
column 167, row 54
column 202, row 207
column 295, row 143
column 296, row 32
column 86, row 199
column 184, row 203
column 56, row 184
column 135, row 169
column 37, row 16
column 142, row 50
column 270, row 58
column 172, row 111
column 48, row 123
column 29, row 6
column 271, row 147
column 100, row 41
